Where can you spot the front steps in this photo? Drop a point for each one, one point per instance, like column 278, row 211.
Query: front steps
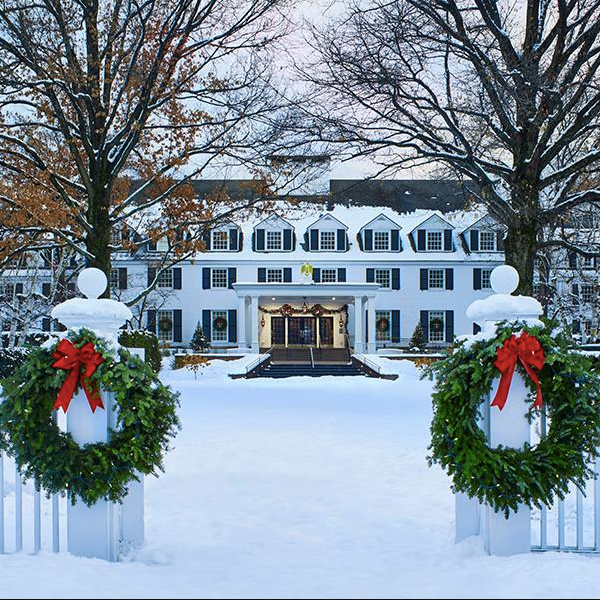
column 279, row 371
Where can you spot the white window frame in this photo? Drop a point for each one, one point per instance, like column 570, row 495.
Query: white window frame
column 274, row 275
column 165, row 279
column 219, row 240
column 218, row 278
column 219, row 336
column 431, row 240
column 383, row 336
column 587, row 262
column 487, row 241
column 327, row 240
column 486, row 282
column 433, row 277
column 164, row 336
column 274, row 239
column 587, row 293
column 383, row 277
column 328, row 275
column 381, row 241
column 162, row 245
column 436, row 337
column 114, row 278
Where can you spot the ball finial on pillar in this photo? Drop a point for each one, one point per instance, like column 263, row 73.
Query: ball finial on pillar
column 91, row 282
column 504, row 279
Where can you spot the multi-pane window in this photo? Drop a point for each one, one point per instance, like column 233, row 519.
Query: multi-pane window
column 328, row 275
column 382, row 277
column 588, row 328
column 165, row 279
column 587, row 292
column 381, row 240
column 587, row 262
column 274, row 275
column 220, row 240
column 114, row 279
column 434, row 241
column 274, row 240
column 327, row 240
column 219, row 326
column 436, row 326
column 487, row 241
column 165, row 325
column 163, row 244
column 436, row 279
column 383, row 325
column 219, row 278
column 486, row 275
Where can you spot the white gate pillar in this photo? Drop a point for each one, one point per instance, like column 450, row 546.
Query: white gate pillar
column 359, row 337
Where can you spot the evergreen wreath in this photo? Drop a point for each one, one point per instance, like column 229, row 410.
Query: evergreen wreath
column 146, row 420
column 383, row 324
column 220, row 324
column 506, row 477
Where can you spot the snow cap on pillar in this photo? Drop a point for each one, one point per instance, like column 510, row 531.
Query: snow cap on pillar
column 101, row 315
column 502, row 306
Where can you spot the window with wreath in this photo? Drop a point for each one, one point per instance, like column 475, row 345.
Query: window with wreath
column 436, row 279
column 328, row 275
column 436, row 326
column 327, row 240
column 381, row 240
column 383, row 325
column 165, row 279
column 486, row 282
column 219, row 278
column 274, row 275
column 487, row 241
column 165, row 325
column 219, row 326
column 434, row 241
column 383, row 277
column 220, row 240
column 274, row 240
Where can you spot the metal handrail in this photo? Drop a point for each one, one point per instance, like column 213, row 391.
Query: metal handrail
column 312, row 358
column 258, row 360
column 368, row 362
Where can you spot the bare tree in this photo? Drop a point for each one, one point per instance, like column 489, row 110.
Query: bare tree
column 505, row 94
column 98, row 93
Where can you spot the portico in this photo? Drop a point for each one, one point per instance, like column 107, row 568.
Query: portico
column 307, row 315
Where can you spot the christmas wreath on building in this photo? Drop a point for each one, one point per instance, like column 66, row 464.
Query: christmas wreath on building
column 220, row 324
column 383, row 324
column 145, row 416
column 562, row 383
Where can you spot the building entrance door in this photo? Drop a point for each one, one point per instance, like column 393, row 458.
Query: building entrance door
column 326, row 331
column 302, row 331
column 277, row 331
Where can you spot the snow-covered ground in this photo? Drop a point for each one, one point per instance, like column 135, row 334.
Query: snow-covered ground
column 301, row 488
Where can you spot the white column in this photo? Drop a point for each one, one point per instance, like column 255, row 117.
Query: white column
column 359, row 337
column 371, row 345
column 241, row 325
column 254, row 341
column 509, row 427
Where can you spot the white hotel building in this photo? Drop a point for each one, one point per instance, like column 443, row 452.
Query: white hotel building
column 376, row 273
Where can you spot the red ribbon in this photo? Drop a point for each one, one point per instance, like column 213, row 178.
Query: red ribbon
column 72, row 359
column 528, row 350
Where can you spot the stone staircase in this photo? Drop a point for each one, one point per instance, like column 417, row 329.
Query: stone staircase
column 278, row 371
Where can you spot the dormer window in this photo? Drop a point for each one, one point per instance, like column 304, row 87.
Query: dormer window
column 434, row 241
column 220, row 240
column 162, row 245
column 274, row 240
column 327, row 240
column 487, row 241
column 381, row 240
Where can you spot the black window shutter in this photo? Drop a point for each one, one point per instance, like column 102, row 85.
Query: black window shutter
column 424, row 279
column 395, row 237
column 425, row 324
column 206, row 325
column 46, row 290
column 475, row 241
column 262, row 275
column 206, row 240
column 572, row 260
column 233, row 239
column 19, row 288
column 314, row 239
column 177, row 278
column 476, row 329
column 449, row 279
column 287, row 275
column 260, row 240
column 240, row 241
column 575, row 292
column 177, row 333
column 232, row 325
column 231, row 277
column 370, row 275
column 287, row 239
column 151, row 275
column 151, row 326
column 448, row 240
column 46, row 321
column 421, row 240
column 341, row 275
column 122, row 278
column 317, row 275
column 476, row 279
column 449, row 326
column 576, row 325
column 395, row 326
column 368, row 240
column 152, row 245
column 500, row 241
column 206, row 278
column 395, row 279
column 341, row 240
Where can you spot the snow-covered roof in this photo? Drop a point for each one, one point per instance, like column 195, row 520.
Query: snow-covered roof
column 379, row 217
column 327, row 217
column 433, row 217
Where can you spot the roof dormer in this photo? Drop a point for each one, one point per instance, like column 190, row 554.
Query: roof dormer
column 485, row 235
column 226, row 237
column 327, row 234
column 433, row 235
column 380, row 235
column 274, row 234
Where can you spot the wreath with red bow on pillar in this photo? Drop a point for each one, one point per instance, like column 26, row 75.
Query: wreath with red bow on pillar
column 563, row 383
column 145, row 414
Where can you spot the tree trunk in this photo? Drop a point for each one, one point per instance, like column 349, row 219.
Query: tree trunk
column 520, row 249
column 98, row 239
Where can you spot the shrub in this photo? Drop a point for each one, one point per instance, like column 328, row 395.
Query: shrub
column 11, row 359
column 194, row 362
column 139, row 338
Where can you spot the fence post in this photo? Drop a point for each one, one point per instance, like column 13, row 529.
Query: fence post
column 509, row 427
column 92, row 531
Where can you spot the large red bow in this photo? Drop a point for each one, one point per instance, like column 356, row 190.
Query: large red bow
column 528, row 350
column 71, row 358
